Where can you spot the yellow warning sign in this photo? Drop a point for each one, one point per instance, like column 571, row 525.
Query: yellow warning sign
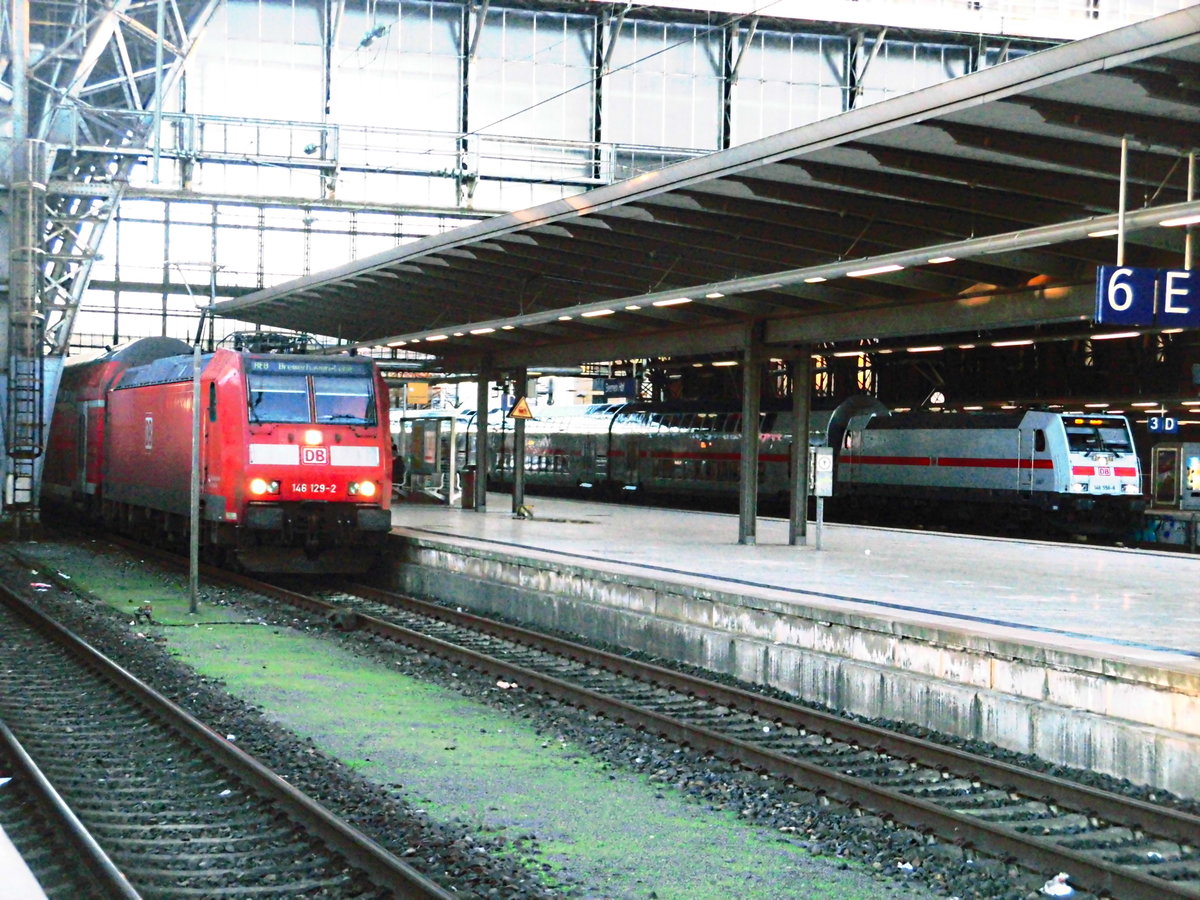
column 520, row 410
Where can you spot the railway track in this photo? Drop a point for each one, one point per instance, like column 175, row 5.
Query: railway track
column 1111, row 845
column 179, row 810
column 68, row 861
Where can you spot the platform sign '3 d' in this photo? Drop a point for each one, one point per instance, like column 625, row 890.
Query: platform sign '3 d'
column 1165, row 298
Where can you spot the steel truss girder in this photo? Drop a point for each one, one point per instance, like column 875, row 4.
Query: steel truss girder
column 109, row 58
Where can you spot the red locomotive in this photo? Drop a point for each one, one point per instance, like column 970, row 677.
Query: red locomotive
column 295, row 453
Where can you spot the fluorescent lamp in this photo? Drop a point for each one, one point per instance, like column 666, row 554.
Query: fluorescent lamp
column 816, row 279
column 931, row 349
column 1116, row 335
column 1181, row 220
column 1104, row 232
column 1024, row 343
column 674, row 301
column 596, row 313
column 437, row 337
column 482, row 330
column 874, row 270
column 937, row 260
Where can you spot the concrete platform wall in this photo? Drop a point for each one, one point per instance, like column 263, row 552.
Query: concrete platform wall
column 1127, row 719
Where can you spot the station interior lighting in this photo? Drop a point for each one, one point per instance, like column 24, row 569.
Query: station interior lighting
column 1181, row 220
column 673, row 301
column 874, row 270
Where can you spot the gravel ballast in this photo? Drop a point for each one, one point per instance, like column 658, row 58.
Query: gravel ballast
column 565, row 803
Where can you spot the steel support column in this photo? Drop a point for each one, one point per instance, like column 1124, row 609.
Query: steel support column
column 482, row 384
column 801, row 411
column 751, row 403
column 520, row 390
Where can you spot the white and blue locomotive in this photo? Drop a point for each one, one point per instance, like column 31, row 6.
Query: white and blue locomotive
column 1032, row 469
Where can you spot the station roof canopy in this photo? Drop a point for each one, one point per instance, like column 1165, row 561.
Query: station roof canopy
column 968, row 206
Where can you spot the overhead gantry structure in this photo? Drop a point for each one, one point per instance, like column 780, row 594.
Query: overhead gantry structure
column 979, row 204
column 84, row 81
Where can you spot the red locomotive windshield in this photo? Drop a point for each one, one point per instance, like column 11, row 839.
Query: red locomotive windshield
column 305, row 399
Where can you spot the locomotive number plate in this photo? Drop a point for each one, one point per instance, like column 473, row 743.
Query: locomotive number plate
column 317, row 488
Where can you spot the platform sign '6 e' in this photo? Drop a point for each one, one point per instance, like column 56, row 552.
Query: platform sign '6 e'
column 1167, row 298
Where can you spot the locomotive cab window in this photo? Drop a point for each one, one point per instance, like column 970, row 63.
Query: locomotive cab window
column 279, row 398
column 346, row 401
column 302, row 399
column 1098, row 438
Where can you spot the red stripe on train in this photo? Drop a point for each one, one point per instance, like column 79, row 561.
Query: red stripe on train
column 963, row 462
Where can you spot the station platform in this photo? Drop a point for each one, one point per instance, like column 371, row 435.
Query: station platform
column 18, row 882
column 1139, row 604
column 1086, row 656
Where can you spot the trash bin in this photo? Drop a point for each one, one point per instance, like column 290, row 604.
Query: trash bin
column 468, row 487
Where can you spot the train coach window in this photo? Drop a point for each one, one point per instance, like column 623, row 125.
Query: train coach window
column 278, row 398
column 347, row 401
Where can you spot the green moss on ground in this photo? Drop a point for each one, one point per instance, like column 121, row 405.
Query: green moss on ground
column 617, row 834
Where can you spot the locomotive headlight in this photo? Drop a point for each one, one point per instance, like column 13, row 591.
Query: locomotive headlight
column 1079, row 487
column 313, row 437
column 363, row 488
column 260, row 487
column 1130, row 489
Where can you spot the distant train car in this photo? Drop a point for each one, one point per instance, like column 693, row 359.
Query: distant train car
column 1077, row 473
column 295, row 454
column 1049, row 470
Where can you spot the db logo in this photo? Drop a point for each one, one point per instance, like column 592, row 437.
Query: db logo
column 314, row 456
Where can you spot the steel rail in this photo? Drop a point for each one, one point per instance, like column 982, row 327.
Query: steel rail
column 1090, row 872
column 108, row 878
column 1162, row 821
column 357, row 848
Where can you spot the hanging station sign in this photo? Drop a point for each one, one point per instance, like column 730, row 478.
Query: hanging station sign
column 1160, row 298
